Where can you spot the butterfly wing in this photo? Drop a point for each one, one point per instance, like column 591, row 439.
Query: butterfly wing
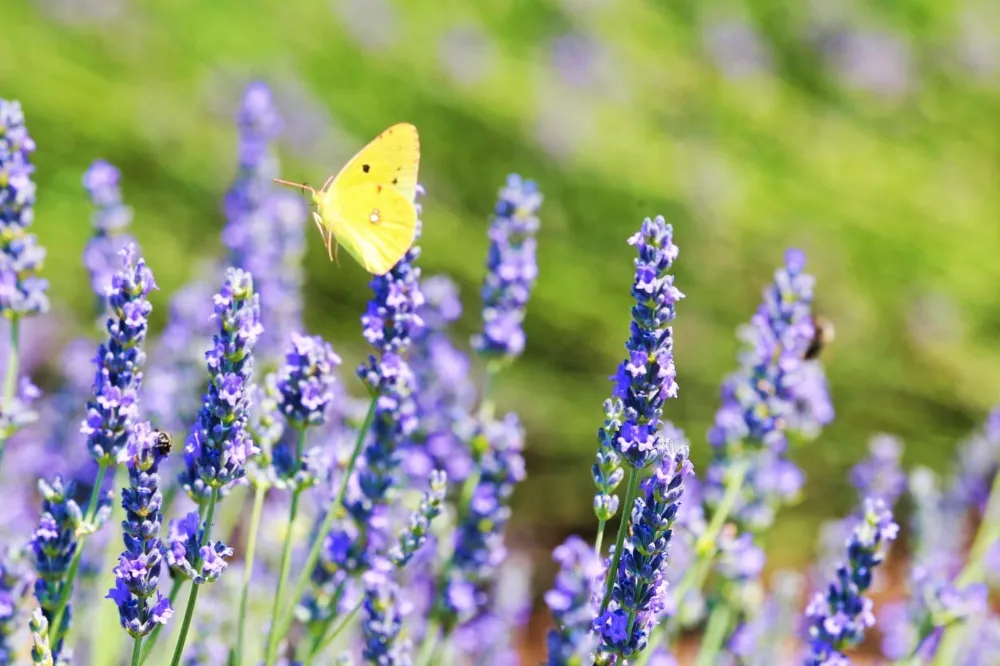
column 392, row 159
column 373, row 222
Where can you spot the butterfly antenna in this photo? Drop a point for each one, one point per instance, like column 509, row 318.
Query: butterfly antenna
column 301, row 186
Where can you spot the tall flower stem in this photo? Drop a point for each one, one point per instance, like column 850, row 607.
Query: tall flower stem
column 715, row 633
column 258, row 507
column 988, row 534
column 74, row 566
column 10, row 378
column 136, row 651
column 193, row 597
column 286, row 559
column 630, row 493
column 324, row 642
column 336, row 509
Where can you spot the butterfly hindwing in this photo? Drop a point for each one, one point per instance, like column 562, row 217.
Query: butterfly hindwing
column 375, row 223
column 391, row 159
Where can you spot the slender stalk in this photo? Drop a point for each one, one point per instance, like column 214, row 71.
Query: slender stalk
column 715, row 634
column 137, row 651
column 286, row 560
column 429, row 647
column 74, row 565
column 193, row 597
column 258, row 507
column 630, row 493
column 175, row 590
column 973, row 572
column 324, row 643
column 10, row 379
column 336, row 509
column 599, row 541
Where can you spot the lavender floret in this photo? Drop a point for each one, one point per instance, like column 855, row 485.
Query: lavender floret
column 511, row 270
column 571, row 602
column 140, row 605
column 110, row 218
column 112, row 414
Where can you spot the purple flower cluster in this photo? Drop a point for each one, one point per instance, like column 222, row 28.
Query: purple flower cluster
column 217, row 450
column 637, row 598
column 417, row 527
column 112, row 413
column 138, row 572
column 775, row 392
column 838, row 619
column 571, row 602
column 15, row 581
column 22, row 292
column 478, row 543
column 265, row 229
column 187, row 554
column 631, row 430
column 511, row 269
column 384, row 609
column 306, row 380
column 111, row 217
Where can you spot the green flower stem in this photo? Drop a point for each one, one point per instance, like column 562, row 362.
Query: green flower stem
column 258, row 506
column 429, row 648
column 630, row 494
column 286, row 560
column 336, row 509
column 323, row 643
column 193, row 597
column 74, row 565
column 599, row 541
column 137, row 651
column 715, row 633
column 973, row 572
column 175, row 590
column 10, row 379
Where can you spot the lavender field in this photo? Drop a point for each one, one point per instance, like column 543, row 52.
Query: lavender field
column 693, row 360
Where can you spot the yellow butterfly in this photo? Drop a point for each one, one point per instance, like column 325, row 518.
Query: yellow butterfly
column 368, row 207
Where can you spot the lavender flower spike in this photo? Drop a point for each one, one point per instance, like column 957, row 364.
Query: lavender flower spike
column 15, row 581
column 111, row 216
column 219, row 445
column 415, row 534
column 511, row 269
column 571, row 602
column 112, row 413
column 631, row 430
column 839, row 618
column 384, row 610
column 138, row 572
column 22, row 292
column 639, row 593
column 41, row 651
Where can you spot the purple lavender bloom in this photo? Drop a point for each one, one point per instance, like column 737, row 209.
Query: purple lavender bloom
column 265, row 229
column 392, row 318
column 217, row 450
column 22, row 292
column 112, row 413
column 638, row 595
column 53, row 545
column 111, row 217
column 416, row 531
column 978, row 462
column 138, row 572
column 445, row 394
column 15, row 581
column 306, row 380
column 774, row 393
column 384, row 609
column 571, row 602
column 839, row 618
column 631, row 430
column 880, row 474
column 479, row 544
column 511, row 270
column 187, row 555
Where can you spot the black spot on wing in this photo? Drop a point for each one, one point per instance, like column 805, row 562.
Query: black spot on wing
column 366, row 167
column 395, row 181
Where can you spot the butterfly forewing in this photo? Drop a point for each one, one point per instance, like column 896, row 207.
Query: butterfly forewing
column 376, row 224
column 392, row 159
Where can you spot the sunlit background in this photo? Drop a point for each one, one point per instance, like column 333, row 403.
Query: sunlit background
column 863, row 133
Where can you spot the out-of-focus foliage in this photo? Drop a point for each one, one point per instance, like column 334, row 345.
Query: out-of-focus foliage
column 864, row 133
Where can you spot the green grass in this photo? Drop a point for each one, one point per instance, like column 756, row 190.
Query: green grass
column 892, row 201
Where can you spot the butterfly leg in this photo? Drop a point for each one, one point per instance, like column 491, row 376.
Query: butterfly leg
column 327, row 183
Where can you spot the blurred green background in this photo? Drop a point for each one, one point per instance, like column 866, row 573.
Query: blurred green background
column 864, row 133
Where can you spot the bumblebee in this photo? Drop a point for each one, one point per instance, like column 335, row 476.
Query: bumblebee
column 163, row 442
column 823, row 334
